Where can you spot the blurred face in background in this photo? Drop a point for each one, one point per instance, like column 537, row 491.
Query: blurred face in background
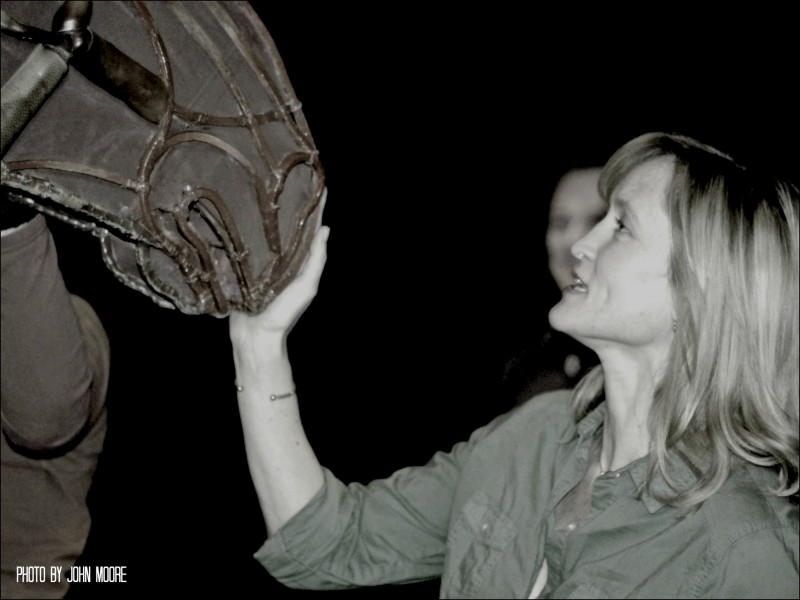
column 575, row 208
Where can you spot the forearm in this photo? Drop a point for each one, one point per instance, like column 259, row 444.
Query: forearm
column 46, row 379
column 285, row 471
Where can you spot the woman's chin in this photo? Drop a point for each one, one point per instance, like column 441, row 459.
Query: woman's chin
column 559, row 317
column 568, row 318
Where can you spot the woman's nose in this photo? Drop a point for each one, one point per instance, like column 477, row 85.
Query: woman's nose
column 584, row 248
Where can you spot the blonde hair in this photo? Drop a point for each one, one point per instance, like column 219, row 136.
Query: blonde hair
column 730, row 387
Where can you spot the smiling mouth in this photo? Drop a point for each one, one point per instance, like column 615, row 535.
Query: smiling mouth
column 577, row 285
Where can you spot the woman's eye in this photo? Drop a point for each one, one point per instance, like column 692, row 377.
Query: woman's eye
column 620, row 225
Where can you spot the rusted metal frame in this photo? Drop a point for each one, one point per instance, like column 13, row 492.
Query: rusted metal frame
column 235, row 247
column 267, row 203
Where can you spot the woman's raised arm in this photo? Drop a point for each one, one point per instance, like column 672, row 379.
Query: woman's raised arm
column 284, row 469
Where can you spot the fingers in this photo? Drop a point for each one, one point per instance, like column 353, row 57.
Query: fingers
column 320, row 239
column 311, row 270
column 322, row 203
column 317, row 215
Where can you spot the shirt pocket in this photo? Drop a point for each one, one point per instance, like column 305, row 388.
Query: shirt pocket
column 475, row 544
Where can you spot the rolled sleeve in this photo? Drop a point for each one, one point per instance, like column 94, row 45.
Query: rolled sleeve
column 356, row 535
column 392, row 530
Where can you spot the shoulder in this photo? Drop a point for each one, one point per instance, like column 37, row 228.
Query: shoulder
column 550, row 410
column 753, row 538
column 541, row 421
column 744, row 504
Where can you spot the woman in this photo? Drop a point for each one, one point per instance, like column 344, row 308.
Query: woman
column 674, row 472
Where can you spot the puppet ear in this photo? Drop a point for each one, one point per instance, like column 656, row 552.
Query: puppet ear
column 170, row 131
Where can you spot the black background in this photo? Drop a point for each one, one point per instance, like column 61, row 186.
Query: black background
column 441, row 133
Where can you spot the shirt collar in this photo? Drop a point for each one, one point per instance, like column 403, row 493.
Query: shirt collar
column 680, row 473
column 586, row 427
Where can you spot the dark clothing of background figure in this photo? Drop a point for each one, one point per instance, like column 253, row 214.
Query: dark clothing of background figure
column 55, row 367
column 550, row 361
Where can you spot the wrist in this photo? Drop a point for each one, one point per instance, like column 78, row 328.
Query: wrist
column 259, row 349
column 264, row 361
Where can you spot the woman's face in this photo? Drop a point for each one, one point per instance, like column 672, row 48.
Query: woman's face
column 622, row 295
column 575, row 208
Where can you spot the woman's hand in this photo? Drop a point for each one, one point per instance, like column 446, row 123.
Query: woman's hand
column 280, row 315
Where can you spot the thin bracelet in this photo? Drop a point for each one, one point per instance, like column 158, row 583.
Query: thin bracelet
column 240, row 388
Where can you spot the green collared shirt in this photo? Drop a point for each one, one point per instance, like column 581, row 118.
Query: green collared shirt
column 482, row 517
